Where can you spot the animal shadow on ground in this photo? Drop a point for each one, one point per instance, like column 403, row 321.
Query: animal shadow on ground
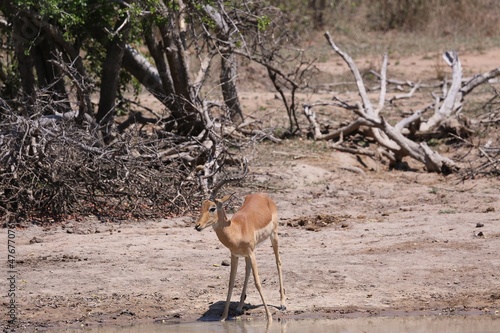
column 215, row 310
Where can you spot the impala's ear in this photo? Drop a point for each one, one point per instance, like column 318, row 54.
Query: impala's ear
column 224, row 199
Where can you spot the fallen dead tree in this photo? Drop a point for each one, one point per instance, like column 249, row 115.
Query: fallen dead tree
column 392, row 141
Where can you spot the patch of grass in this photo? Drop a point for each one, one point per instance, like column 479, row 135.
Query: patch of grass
column 447, row 211
column 432, row 142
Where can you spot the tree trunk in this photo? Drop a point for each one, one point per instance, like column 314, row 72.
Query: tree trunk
column 177, row 62
column 71, row 56
column 228, row 71
column 109, row 87
column 23, row 31
column 50, row 76
column 163, row 70
column 185, row 113
column 228, row 74
column 139, row 67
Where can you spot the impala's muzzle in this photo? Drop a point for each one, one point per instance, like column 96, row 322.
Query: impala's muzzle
column 198, row 227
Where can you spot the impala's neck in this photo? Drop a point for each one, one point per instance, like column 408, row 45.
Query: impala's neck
column 222, row 220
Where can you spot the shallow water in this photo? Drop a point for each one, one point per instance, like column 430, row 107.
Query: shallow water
column 431, row 324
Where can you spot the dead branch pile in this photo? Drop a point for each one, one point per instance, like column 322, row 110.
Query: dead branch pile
column 51, row 167
column 481, row 155
column 480, row 160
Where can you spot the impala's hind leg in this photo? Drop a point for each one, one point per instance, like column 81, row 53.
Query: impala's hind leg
column 274, row 241
column 258, row 285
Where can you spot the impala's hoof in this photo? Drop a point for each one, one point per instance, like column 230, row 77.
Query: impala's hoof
column 282, row 308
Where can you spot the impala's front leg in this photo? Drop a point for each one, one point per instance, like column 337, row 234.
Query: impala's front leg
column 248, row 269
column 232, row 276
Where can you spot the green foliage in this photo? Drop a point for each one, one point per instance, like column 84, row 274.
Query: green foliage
column 88, row 24
column 263, row 22
column 82, row 19
column 432, row 142
column 68, row 16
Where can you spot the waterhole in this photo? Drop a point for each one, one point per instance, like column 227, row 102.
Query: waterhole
column 417, row 324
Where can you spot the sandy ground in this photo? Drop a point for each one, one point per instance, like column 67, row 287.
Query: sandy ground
column 384, row 243
column 379, row 243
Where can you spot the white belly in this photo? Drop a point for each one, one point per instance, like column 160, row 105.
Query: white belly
column 263, row 234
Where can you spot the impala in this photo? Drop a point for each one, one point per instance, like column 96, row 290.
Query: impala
column 254, row 222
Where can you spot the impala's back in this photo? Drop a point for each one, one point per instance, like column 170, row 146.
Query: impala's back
column 256, row 213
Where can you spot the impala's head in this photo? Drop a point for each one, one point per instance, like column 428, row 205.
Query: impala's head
column 211, row 212
column 208, row 215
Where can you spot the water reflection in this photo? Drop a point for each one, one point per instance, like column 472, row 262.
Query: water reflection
column 432, row 324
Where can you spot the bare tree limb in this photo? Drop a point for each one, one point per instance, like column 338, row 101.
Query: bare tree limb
column 407, row 95
column 383, row 85
column 316, row 128
column 357, row 75
column 452, row 102
column 478, row 80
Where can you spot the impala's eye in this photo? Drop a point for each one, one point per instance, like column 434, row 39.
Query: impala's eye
column 212, row 209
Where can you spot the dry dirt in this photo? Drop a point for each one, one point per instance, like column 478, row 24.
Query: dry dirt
column 379, row 243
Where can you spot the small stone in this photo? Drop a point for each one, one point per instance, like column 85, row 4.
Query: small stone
column 35, row 240
column 225, row 263
column 479, row 225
